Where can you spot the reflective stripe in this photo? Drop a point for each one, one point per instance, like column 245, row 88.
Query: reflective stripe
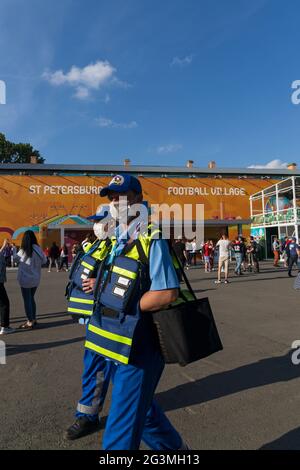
column 145, row 242
column 106, row 352
column 87, row 265
column 81, row 301
column 78, row 310
column 88, row 410
column 154, row 233
column 112, row 336
column 100, row 380
column 86, row 246
column 124, row 272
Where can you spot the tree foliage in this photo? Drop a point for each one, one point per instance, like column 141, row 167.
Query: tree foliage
column 17, row 153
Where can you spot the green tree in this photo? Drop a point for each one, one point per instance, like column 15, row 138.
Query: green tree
column 17, row 153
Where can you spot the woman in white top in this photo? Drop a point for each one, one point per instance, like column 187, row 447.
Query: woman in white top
column 31, row 259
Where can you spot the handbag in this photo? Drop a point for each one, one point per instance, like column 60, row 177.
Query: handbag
column 187, row 330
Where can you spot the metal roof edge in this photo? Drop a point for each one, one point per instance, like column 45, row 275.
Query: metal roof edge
column 162, row 170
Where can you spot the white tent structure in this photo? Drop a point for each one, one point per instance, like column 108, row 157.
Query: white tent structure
column 275, row 211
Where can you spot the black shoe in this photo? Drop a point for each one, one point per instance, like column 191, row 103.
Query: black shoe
column 82, row 427
column 291, row 275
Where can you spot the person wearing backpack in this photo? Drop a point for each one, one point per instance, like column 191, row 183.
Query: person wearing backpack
column 31, row 258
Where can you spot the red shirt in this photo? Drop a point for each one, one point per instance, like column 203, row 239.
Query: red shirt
column 207, row 249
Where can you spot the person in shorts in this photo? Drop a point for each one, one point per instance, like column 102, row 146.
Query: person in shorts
column 224, row 252
column 206, row 250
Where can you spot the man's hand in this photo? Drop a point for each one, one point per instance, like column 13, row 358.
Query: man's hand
column 88, row 285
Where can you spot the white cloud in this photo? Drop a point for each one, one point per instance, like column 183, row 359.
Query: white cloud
column 182, row 62
column 109, row 123
column 90, row 77
column 82, row 93
column 169, row 148
column 273, row 164
column 120, row 83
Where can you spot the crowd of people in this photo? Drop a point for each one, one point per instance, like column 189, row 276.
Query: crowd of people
column 29, row 258
column 9, row 252
column 245, row 252
column 58, row 257
column 286, row 251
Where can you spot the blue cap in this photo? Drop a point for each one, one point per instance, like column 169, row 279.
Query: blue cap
column 101, row 213
column 122, row 184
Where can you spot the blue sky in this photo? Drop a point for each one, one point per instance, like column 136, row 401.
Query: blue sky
column 159, row 81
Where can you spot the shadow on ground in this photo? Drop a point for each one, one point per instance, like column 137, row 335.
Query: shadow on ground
column 11, row 350
column 288, row 441
column 264, row 372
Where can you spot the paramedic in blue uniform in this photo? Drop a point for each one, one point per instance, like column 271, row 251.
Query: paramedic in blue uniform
column 96, row 373
column 133, row 414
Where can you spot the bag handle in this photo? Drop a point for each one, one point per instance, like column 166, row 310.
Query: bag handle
column 182, row 272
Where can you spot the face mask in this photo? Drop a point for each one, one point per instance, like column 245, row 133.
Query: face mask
column 99, row 231
column 119, row 212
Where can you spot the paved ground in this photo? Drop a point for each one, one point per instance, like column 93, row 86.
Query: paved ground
column 245, row 397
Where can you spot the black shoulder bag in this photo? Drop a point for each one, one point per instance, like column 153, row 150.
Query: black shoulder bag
column 187, row 330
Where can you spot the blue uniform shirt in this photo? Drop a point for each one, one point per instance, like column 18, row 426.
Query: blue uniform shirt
column 293, row 247
column 161, row 269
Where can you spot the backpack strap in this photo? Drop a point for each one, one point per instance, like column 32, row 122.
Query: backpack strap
column 136, row 243
column 94, row 247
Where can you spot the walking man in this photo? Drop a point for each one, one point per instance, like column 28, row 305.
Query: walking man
column 276, row 251
column 224, row 251
column 130, row 346
column 293, row 250
column 238, row 250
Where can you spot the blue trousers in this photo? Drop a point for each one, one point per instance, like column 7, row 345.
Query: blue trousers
column 134, row 415
column 95, row 381
column 238, row 258
column 29, row 302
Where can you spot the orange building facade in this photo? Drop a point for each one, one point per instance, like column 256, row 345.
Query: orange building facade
column 54, row 201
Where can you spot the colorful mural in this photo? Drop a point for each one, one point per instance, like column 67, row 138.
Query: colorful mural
column 39, row 201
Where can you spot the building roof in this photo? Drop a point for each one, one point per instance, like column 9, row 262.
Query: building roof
column 159, row 171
